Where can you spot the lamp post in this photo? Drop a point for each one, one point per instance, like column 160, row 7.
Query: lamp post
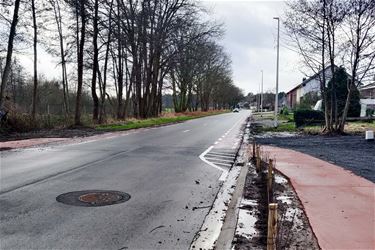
column 261, row 96
column 277, row 71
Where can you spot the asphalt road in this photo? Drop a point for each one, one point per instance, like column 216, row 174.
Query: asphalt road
column 160, row 168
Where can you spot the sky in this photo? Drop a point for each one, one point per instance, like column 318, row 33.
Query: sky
column 250, row 39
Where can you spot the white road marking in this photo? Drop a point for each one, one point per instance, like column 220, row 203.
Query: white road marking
column 224, row 171
column 212, row 159
column 186, row 131
column 223, row 164
column 220, row 156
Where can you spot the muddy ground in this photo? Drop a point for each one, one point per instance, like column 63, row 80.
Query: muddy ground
column 294, row 231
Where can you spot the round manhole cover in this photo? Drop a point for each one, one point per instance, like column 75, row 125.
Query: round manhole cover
column 93, row 198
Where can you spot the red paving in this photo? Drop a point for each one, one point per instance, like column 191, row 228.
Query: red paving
column 340, row 205
column 28, row 142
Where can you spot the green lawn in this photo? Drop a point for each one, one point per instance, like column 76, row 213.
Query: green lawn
column 283, row 127
column 134, row 124
column 143, row 123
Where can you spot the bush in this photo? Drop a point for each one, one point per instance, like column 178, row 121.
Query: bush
column 370, row 112
column 308, row 117
column 340, row 89
column 284, row 111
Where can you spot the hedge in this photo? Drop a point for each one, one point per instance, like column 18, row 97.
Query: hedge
column 308, row 117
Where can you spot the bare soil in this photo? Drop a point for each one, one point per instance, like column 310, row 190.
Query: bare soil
column 294, row 231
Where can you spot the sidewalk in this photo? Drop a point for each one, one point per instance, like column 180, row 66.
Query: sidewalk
column 340, row 205
column 28, row 143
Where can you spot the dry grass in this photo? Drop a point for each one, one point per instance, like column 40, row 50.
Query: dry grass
column 350, row 128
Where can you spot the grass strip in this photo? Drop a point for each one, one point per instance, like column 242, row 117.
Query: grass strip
column 134, row 124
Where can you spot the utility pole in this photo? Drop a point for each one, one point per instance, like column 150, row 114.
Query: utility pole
column 261, row 96
column 277, row 71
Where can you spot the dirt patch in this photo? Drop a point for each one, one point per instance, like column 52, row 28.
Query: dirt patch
column 294, row 231
column 50, row 133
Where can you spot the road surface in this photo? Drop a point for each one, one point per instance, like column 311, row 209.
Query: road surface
column 171, row 188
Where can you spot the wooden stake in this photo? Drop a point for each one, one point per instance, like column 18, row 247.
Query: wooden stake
column 254, row 145
column 270, row 181
column 272, row 226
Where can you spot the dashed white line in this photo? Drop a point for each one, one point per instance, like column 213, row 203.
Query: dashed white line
column 186, row 131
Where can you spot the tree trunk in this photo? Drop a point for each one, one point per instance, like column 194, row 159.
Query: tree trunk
column 81, row 42
column 64, row 76
column 95, row 112
column 104, row 86
column 346, row 109
column 8, row 62
column 120, row 73
column 33, row 111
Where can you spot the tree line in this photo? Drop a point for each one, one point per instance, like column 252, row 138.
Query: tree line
column 332, row 33
column 124, row 54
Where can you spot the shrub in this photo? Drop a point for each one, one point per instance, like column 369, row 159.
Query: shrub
column 284, row 111
column 370, row 112
column 340, row 89
column 308, row 117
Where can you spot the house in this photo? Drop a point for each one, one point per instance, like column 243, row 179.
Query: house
column 367, row 91
column 293, row 97
column 308, row 85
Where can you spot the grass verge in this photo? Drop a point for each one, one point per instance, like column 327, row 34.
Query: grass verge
column 167, row 119
column 350, row 128
column 283, row 127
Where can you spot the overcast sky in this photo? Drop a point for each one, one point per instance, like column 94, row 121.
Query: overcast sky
column 250, row 40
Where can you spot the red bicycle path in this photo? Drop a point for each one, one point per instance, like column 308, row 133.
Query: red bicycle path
column 340, row 205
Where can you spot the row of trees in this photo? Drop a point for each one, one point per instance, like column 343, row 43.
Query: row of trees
column 125, row 53
column 329, row 33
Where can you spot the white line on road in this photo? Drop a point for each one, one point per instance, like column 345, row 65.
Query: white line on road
column 186, row 131
column 224, row 171
column 220, row 156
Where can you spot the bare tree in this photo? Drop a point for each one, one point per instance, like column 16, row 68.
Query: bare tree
column 35, row 44
column 64, row 76
column 361, row 44
column 81, row 8
column 95, row 63
column 8, row 61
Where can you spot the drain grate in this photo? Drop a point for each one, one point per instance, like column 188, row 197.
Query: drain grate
column 93, row 198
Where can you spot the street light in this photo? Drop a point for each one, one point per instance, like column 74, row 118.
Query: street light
column 277, row 71
column 261, row 96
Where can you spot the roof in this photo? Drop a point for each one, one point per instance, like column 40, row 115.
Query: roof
column 368, row 86
column 309, row 79
column 293, row 89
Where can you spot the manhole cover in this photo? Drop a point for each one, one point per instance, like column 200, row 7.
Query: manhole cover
column 93, row 198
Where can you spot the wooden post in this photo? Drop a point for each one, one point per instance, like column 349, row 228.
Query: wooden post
column 254, row 145
column 258, row 159
column 272, row 226
column 270, row 181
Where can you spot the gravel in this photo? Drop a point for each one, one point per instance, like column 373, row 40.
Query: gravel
column 353, row 153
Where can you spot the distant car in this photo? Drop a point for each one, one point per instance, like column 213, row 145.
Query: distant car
column 236, row 110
